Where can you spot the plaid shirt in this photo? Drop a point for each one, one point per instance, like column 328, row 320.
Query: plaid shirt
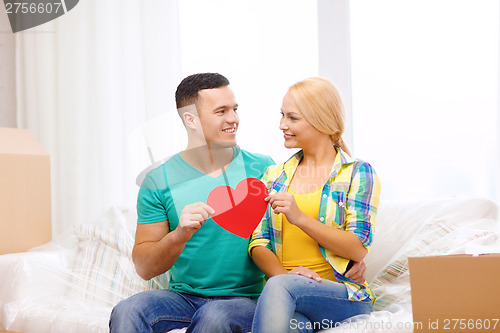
column 349, row 201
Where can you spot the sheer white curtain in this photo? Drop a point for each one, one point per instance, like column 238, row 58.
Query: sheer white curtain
column 85, row 81
column 334, row 53
column 7, row 74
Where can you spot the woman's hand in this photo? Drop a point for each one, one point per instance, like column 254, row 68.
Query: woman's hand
column 284, row 202
column 309, row 273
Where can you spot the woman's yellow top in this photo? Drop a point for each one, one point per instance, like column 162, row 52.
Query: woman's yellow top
column 299, row 249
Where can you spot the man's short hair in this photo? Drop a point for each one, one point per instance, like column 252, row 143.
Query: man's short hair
column 187, row 91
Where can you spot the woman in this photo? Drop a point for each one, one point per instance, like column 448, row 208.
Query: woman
column 322, row 208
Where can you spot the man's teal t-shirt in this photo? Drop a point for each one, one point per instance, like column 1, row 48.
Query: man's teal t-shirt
column 214, row 261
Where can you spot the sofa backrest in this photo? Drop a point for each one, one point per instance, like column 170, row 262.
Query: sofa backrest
column 398, row 222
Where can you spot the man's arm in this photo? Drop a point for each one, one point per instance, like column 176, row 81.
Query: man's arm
column 267, row 261
column 156, row 250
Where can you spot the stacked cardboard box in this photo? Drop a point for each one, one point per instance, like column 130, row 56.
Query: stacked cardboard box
column 25, row 200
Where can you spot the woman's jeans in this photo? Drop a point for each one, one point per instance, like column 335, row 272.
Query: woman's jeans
column 164, row 310
column 323, row 303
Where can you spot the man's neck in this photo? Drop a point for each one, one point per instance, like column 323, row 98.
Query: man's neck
column 210, row 159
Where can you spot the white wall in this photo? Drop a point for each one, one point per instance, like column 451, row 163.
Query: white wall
column 497, row 173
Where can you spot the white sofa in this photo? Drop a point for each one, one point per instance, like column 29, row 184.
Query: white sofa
column 71, row 284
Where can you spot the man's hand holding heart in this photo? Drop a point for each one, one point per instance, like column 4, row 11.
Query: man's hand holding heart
column 192, row 218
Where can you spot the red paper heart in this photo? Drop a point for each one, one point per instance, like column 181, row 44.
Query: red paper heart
column 239, row 211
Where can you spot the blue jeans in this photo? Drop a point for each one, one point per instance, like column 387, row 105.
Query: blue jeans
column 163, row 310
column 323, row 303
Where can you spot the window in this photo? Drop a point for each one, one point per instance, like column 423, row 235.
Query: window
column 424, row 92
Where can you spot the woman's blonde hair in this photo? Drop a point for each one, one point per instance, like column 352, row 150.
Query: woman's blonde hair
column 319, row 101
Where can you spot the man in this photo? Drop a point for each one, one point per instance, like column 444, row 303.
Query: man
column 213, row 283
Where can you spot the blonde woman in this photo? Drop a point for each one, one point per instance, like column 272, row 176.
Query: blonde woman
column 320, row 218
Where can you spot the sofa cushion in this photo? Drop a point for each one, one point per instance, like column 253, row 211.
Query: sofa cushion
column 103, row 269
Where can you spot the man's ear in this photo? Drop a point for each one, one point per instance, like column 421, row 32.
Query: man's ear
column 188, row 115
column 189, row 120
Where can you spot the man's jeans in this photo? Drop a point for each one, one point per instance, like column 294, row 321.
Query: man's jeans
column 323, row 303
column 163, row 310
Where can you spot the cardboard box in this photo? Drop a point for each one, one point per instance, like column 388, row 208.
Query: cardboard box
column 456, row 293
column 25, row 203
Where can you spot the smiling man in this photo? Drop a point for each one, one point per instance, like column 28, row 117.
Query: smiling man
column 213, row 283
